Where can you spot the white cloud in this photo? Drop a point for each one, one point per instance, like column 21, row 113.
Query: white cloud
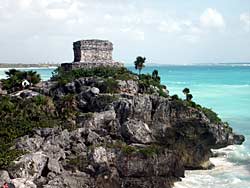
column 169, row 26
column 24, row 4
column 211, row 18
column 245, row 19
column 133, row 33
column 57, row 14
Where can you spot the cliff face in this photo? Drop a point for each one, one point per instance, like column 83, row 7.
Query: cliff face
column 127, row 139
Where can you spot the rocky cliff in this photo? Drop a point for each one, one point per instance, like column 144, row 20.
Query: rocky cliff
column 128, row 138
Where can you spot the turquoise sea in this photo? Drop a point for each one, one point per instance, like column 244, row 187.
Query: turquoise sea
column 225, row 89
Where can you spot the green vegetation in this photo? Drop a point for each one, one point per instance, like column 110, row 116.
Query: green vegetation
column 67, row 107
column 155, row 75
column 109, row 85
column 18, row 118
column 175, row 97
column 189, row 96
column 16, row 77
column 64, row 77
column 147, row 81
column 101, row 102
column 139, row 63
column 210, row 114
column 150, row 151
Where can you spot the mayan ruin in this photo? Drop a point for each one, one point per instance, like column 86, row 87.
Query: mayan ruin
column 92, row 53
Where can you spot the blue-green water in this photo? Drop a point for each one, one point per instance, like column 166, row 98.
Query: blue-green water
column 226, row 89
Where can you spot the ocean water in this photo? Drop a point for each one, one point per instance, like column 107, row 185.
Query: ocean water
column 225, row 89
column 45, row 73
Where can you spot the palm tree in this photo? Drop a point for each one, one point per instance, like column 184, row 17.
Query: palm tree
column 33, row 77
column 12, row 72
column 155, row 75
column 139, row 63
column 189, row 97
column 186, row 92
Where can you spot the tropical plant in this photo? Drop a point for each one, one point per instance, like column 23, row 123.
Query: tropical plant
column 186, row 92
column 16, row 77
column 139, row 63
column 189, row 97
column 155, row 75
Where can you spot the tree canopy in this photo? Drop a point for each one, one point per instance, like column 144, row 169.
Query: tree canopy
column 139, row 63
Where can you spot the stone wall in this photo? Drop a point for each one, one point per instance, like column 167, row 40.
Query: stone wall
column 92, row 51
column 88, row 65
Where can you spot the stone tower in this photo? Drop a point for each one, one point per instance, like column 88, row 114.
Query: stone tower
column 92, row 51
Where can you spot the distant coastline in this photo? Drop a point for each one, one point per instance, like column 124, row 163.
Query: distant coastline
column 20, row 65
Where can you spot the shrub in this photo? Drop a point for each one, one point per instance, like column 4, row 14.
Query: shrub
column 211, row 115
column 128, row 149
column 19, row 118
column 175, row 97
column 108, row 86
column 146, row 81
column 150, row 151
column 15, row 78
column 104, row 72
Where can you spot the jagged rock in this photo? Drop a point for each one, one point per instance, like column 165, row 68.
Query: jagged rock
column 54, row 151
column 137, row 131
column 78, row 148
column 54, row 166
column 95, row 90
column 93, row 138
column 100, row 155
column 162, row 165
column 45, row 87
column 23, row 183
column 30, row 144
column 70, row 87
column 128, row 86
column 25, row 94
column 4, row 177
column 29, row 166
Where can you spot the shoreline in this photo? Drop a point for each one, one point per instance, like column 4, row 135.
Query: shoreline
column 223, row 164
column 25, row 66
column 21, row 68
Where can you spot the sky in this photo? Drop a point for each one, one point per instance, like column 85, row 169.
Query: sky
column 164, row 31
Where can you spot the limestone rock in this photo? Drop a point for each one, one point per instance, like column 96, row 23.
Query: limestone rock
column 54, row 166
column 4, row 177
column 137, row 131
column 23, row 183
column 95, row 90
column 29, row 166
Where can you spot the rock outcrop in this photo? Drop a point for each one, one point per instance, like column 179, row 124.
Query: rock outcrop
column 128, row 139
